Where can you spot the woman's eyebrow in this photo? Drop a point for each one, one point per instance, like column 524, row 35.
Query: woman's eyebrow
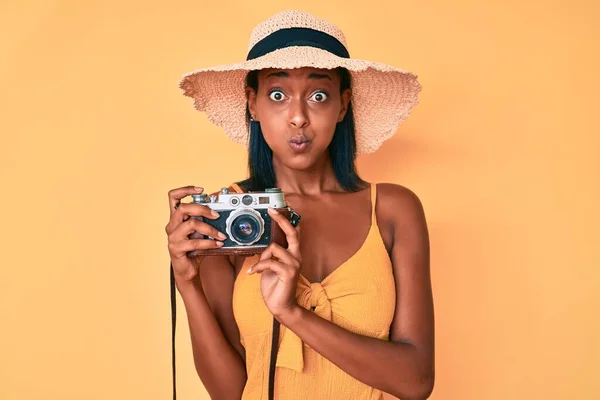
column 279, row 74
column 319, row 76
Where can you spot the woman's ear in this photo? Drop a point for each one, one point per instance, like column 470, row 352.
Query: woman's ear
column 251, row 98
column 345, row 97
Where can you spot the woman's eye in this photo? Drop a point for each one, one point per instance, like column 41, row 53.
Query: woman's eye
column 319, row 97
column 276, row 95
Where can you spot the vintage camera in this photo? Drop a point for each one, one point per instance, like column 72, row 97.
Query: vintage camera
column 243, row 218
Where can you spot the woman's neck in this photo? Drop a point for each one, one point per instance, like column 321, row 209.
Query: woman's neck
column 314, row 181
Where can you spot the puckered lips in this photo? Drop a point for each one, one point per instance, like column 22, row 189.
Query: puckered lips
column 299, row 143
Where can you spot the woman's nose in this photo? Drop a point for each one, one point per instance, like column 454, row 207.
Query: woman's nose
column 298, row 113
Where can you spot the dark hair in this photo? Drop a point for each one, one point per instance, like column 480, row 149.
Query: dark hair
column 342, row 149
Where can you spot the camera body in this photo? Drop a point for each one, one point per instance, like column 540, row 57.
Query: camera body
column 243, row 218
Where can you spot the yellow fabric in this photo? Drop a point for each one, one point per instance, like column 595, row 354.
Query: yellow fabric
column 359, row 296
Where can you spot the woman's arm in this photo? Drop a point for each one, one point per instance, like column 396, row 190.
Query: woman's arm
column 218, row 354
column 404, row 366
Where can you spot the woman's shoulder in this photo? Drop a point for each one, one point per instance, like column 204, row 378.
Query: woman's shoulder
column 393, row 193
column 397, row 202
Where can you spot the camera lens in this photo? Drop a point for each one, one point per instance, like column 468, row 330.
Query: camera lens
column 245, row 226
column 245, row 229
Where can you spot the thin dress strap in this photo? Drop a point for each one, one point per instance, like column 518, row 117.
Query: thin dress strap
column 373, row 203
column 236, row 187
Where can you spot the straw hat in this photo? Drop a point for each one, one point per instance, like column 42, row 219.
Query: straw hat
column 382, row 96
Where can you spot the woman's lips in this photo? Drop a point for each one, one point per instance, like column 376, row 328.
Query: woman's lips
column 299, row 144
column 299, row 147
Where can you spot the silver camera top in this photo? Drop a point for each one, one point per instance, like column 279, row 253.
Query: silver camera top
column 271, row 197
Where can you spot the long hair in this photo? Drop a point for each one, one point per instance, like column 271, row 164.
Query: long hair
column 342, row 149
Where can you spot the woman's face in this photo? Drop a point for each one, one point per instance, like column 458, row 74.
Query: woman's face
column 298, row 110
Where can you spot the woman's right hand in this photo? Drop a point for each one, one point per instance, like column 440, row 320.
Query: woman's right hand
column 179, row 228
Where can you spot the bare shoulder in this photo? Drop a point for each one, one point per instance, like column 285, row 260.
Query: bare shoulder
column 392, row 193
column 397, row 204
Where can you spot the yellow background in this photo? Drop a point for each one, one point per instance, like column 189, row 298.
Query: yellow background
column 503, row 151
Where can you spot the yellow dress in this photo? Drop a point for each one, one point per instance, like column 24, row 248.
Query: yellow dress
column 359, row 296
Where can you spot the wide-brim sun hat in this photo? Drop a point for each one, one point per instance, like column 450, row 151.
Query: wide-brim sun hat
column 383, row 96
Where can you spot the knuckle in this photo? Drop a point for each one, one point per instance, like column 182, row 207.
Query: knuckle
column 274, row 246
column 204, row 243
column 199, row 210
column 207, row 243
column 205, row 210
column 200, row 225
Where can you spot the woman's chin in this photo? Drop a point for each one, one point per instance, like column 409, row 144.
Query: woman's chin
column 298, row 161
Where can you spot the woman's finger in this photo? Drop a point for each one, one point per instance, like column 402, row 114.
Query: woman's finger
column 175, row 195
column 283, row 255
column 192, row 225
column 291, row 233
column 284, row 272
column 186, row 210
column 182, row 247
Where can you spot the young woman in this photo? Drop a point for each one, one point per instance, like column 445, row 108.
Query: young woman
column 351, row 291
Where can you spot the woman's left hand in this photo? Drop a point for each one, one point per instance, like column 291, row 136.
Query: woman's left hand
column 280, row 269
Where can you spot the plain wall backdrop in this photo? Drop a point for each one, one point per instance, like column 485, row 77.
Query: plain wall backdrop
column 503, row 152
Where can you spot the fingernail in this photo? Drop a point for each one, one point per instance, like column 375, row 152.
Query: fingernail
column 220, row 244
column 198, row 188
column 215, row 214
column 272, row 210
column 222, row 236
column 249, row 270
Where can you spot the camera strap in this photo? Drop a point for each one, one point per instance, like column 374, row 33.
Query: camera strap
column 274, row 341
column 295, row 220
column 272, row 366
column 173, row 323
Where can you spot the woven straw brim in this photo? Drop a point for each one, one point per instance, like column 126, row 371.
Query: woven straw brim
column 383, row 96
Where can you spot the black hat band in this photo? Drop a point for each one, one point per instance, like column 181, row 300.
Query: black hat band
column 297, row 37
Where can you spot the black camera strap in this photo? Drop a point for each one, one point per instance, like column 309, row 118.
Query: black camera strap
column 274, row 342
column 274, row 348
column 295, row 220
column 173, row 323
